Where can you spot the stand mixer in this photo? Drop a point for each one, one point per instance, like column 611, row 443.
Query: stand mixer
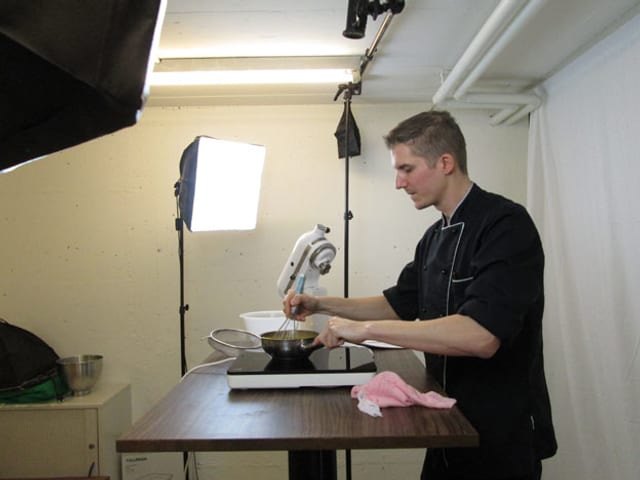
column 311, row 256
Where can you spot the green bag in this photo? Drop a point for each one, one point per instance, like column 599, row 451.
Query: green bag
column 53, row 388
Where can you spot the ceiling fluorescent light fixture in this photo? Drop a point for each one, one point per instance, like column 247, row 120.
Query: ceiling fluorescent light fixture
column 252, row 77
column 255, row 71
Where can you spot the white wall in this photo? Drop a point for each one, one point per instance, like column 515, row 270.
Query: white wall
column 89, row 250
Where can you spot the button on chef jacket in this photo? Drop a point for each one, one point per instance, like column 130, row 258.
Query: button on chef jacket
column 487, row 263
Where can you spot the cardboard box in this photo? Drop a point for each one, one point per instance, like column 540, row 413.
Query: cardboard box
column 152, row 466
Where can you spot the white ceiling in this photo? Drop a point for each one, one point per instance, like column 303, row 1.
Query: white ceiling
column 417, row 51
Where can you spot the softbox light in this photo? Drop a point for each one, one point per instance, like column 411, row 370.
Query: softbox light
column 71, row 71
column 219, row 184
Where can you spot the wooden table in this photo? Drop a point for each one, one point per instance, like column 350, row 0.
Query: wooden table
column 202, row 414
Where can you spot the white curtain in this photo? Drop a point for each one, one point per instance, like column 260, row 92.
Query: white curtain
column 584, row 194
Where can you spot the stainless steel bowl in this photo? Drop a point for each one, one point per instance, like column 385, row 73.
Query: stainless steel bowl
column 81, row 372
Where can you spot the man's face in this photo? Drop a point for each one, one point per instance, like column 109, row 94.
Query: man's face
column 413, row 174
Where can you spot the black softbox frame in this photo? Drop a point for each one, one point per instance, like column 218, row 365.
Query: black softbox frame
column 187, row 182
column 72, row 70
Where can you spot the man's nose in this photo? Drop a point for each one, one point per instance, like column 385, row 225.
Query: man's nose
column 400, row 182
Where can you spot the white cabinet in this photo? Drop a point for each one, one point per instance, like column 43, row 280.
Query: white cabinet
column 75, row 437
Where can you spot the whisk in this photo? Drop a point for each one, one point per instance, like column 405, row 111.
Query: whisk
column 287, row 331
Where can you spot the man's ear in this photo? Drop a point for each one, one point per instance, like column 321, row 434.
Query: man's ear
column 447, row 163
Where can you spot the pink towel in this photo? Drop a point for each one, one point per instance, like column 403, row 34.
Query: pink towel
column 388, row 389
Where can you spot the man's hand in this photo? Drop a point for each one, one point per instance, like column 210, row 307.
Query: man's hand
column 339, row 330
column 305, row 304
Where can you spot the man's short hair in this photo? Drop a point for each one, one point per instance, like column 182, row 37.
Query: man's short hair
column 429, row 135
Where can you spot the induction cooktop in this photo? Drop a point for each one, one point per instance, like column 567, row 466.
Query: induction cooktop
column 342, row 366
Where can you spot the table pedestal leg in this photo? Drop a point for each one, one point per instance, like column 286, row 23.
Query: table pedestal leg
column 313, row 465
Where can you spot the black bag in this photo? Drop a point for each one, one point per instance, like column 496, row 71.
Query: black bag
column 28, row 368
column 346, row 145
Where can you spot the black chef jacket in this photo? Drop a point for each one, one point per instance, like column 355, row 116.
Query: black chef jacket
column 487, row 263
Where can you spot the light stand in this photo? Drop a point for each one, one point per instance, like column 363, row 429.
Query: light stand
column 357, row 13
column 183, row 307
column 348, row 143
column 204, row 201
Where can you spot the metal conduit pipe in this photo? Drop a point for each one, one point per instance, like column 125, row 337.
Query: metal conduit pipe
column 525, row 110
column 476, row 105
column 503, row 114
column 514, row 105
column 520, row 105
column 529, row 10
column 503, row 99
column 494, row 25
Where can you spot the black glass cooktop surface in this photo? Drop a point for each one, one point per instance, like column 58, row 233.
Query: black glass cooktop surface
column 324, row 367
column 324, row 360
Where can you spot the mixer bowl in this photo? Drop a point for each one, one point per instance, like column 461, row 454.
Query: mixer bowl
column 262, row 321
column 81, row 372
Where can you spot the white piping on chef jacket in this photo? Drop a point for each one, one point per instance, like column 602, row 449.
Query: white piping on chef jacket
column 455, row 253
column 453, row 262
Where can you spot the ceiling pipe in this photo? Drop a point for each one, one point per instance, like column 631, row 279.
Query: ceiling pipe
column 503, row 115
column 496, row 101
column 514, row 106
column 449, row 104
column 503, row 99
column 529, row 10
column 510, row 119
column 495, row 24
column 508, row 18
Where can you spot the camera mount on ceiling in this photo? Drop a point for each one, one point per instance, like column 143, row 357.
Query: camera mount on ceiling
column 359, row 10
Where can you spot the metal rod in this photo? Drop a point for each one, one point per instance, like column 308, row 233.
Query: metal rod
column 347, row 213
column 183, row 307
column 347, row 218
column 370, row 52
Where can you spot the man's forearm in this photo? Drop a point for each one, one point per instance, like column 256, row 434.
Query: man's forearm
column 456, row 335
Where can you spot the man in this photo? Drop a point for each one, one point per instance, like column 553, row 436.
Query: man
column 476, row 281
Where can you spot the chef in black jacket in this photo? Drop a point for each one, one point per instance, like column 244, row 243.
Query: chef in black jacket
column 476, row 282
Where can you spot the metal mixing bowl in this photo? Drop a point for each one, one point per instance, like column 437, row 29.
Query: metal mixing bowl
column 81, row 372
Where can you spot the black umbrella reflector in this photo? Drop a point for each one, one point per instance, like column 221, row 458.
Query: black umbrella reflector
column 71, row 71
